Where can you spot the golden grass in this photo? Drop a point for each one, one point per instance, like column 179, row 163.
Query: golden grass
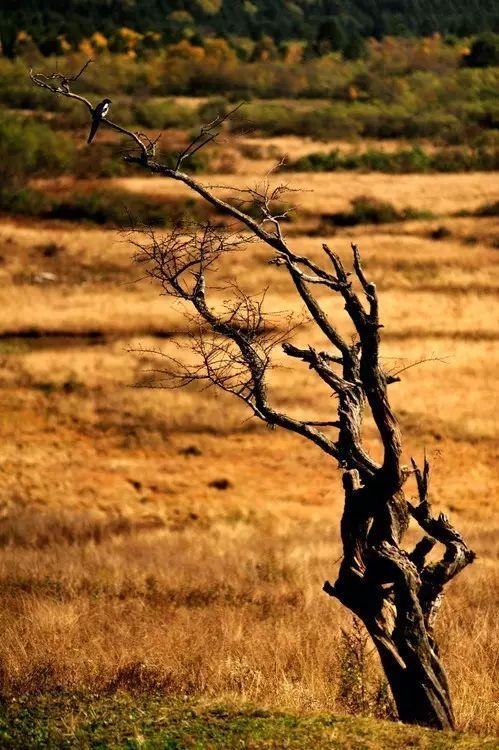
column 156, row 538
column 96, row 287
column 229, row 606
column 328, row 192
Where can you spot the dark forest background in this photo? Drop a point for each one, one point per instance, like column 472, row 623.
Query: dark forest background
column 321, row 24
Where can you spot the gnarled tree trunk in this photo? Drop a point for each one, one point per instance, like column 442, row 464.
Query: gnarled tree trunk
column 396, row 595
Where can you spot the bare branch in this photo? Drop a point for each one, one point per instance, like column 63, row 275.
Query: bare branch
column 233, row 346
column 318, row 363
column 457, row 554
column 59, row 84
column 206, row 135
column 431, row 358
column 368, row 287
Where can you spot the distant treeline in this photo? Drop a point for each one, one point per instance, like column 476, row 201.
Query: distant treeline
column 401, row 88
column 323, row 25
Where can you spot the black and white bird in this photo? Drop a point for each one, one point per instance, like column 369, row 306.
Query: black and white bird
column 99, row 112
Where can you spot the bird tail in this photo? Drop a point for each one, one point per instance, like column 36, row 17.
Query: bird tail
column 93, row 130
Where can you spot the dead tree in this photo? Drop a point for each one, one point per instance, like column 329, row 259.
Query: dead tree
column 394, row 592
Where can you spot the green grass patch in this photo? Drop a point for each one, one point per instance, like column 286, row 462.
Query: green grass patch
column 122, row 720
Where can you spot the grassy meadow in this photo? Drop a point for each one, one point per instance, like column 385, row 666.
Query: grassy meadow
column 163, row 555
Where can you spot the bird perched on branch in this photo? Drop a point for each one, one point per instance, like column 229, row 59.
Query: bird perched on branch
column 99, row 112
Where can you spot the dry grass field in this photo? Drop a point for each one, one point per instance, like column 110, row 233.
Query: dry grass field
column 159, row 539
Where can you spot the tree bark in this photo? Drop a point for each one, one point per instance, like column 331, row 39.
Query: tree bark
column 418, row 686
column 396, row 595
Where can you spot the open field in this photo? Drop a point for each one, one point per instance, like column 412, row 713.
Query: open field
column 159, row 541
column 443, row 194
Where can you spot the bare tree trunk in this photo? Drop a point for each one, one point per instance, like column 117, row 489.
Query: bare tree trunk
column 395, row 593
column 420, row 691
column 397, row 597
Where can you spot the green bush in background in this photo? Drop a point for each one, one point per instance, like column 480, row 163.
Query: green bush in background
column 160, row 114
column 32, row 149
column 484, row 51
column 410, row 160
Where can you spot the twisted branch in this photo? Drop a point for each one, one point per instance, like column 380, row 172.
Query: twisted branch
column 457, row 554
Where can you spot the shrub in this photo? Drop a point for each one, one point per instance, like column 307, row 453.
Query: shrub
column 411, row 160
column 488, row 209
column 103, row 162
column 163, row 113
column 452, row 121
column 213, row 108
column 24, row 201
column 484, row 51
column 117, row 206
column 31, row 149
column 368, row 210
column 99, row 208
column 199, row 162
column 440, row 233
column 465, row 160
column 17, row 91
column 104, row 207
column 361, row 690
